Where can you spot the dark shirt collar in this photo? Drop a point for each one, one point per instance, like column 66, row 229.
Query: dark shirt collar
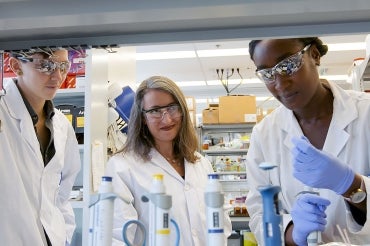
column 48, row 108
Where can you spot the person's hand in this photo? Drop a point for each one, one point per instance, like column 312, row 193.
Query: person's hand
column 308, row 215
column 318, row 169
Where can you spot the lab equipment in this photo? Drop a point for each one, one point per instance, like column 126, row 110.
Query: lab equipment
column 159, row 210
column 101, row 214
column 214, row 200
column 115, row 137
column 314, row 237
column 312, row 166
column 159, row 217
column 272, row 219
column 121, row 99
column 104, row 211
column 308, row 215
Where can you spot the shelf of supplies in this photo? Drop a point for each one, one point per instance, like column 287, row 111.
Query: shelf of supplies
column 228, row 126
column 225, row 151
column 233, row 180
column 231, row 173
column 239, row 218
column 68, row 93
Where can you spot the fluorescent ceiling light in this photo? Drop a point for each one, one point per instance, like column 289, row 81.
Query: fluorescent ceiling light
column 191, row 83
column 206, row 100
column 164, row 55
column 234, row 81
column 229, row 52
column 223, row 52
column 347, row 46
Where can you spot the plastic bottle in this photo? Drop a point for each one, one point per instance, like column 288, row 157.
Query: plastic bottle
column 220, row 164
column 159, row 208
column 214, row 200
column 103, row 219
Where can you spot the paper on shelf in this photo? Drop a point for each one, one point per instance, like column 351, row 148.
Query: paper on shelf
column 97, row 164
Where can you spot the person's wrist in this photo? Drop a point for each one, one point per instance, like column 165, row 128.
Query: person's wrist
column 288, row 235
column 356, row 184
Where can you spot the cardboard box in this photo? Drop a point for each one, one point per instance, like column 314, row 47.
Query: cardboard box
column 260, row 114
column 237, row 109
column 210, row 115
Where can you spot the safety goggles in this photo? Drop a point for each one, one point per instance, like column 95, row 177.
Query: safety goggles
column 157, row 114
column 286, row 67
column 47, row 66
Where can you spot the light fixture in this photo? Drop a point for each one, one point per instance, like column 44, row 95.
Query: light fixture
column 223, row 52
column 191, row 83
column 347, row 46
column 164, row 55
column 142, row 56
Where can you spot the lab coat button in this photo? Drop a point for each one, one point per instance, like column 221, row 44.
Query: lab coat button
column 186, row 187
column 194, row 233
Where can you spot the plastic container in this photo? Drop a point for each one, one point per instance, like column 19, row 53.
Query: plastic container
column 104, row 215
column 214, row 200
column 159, row 210
column 248, row 238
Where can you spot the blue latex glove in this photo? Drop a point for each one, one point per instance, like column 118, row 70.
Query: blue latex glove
column 308, row 215
column 318, row 169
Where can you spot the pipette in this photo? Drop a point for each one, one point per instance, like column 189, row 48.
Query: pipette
column 272, row 221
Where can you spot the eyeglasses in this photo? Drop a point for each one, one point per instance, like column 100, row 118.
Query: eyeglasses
column 48, row 66
column 157, row 114
column 286, row 67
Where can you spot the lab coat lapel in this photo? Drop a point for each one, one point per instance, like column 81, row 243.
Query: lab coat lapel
column 160, row 161
column 289, row 126
column 60, row 137
column 19, row 112
column 344, row 112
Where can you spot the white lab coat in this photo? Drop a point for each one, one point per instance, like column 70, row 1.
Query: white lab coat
column 348, row 139
column 132, row 179
column 32, row 195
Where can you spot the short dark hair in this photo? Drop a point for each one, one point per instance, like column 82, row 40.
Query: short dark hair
column 323, row 48
column 45, row 52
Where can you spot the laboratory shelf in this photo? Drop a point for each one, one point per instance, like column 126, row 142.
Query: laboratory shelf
column 72, row 92
column 239, row 222
column 231, row 172
column 239, row 218
column 228, row 127
column 234, row 180
column 222, row 151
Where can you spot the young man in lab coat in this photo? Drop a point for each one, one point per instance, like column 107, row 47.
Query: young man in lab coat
column 38, row 151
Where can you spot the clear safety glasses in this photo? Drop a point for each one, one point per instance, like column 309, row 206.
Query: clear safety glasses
column 286, row 67
column 47, row 66
column 157, row 114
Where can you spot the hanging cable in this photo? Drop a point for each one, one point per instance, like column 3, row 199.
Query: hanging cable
column 220, row 77
column 241, row 80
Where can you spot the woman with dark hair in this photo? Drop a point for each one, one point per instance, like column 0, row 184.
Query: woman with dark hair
column 161, row 139
column 318, row 138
